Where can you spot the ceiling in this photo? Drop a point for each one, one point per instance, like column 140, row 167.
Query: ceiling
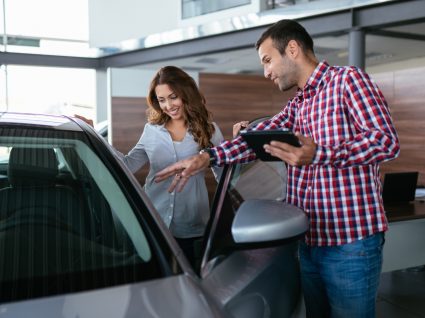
column 395, row 32
column 389, row 45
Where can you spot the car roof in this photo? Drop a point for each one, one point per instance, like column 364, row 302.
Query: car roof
column 39, row 120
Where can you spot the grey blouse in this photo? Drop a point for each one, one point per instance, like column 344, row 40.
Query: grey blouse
column 186, row 213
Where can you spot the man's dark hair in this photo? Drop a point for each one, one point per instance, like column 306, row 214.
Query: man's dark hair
column 284, row 31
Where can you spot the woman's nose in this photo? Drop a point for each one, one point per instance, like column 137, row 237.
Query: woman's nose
column 168, row 103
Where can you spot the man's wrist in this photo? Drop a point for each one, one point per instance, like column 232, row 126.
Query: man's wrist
column 208, row 153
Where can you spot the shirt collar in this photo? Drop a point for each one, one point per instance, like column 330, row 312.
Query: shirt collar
column 314, row 80
column 318, row 74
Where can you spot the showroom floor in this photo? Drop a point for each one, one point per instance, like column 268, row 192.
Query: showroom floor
column 402, row 294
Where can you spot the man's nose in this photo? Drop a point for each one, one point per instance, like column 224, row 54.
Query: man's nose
column 266, row 72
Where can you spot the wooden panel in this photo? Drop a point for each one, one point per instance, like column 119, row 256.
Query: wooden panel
column 128, row 117
column 232, row 98
column 406, row 101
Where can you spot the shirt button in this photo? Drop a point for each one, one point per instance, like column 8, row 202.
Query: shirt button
column 305, row 121
column 172, row 193
column 171, row 205
column 309, row 188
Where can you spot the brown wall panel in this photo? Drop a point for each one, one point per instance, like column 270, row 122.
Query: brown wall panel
column 232, row 98
column 405, row 94
column 128, row 117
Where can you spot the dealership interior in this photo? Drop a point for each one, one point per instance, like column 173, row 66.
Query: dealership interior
column 96, row 58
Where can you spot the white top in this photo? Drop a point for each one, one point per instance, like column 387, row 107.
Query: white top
column 186, row 213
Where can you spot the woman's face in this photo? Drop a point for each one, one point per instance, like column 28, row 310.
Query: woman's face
column 169, row 102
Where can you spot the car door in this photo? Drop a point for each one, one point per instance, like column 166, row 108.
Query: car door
column 250, row 262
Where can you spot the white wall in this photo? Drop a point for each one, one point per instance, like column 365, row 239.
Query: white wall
column 396, row 66
column 134, row 82
column 112, row 21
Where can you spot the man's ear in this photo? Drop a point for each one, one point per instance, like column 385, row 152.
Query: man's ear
column 292, row 49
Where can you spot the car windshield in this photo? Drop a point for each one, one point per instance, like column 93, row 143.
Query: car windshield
column 62, row 216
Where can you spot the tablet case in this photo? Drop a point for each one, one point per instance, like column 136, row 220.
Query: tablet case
column 256, row 140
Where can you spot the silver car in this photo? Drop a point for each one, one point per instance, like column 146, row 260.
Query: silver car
column 80, row 238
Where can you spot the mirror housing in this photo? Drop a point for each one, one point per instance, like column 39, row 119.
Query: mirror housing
column 268, row 220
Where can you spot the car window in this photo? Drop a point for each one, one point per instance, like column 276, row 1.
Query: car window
column 240, row 182
column 65, row 223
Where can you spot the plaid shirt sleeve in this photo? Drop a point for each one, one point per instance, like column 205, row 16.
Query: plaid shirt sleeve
column 237, row 150
column 374, row 138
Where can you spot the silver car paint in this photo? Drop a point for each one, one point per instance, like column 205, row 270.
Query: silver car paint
column 177, row 296
column 267, row 220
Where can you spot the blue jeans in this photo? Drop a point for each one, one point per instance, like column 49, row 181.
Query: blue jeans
column 342, row 281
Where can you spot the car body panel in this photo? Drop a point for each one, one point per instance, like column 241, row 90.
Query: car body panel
column 177, row 296
column 259, row 289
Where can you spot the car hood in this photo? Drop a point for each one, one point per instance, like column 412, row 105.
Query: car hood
column 176, row 296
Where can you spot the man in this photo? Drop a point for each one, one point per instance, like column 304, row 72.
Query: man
column 343, row 123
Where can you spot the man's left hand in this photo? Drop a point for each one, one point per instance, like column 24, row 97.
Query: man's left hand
column 294, row 156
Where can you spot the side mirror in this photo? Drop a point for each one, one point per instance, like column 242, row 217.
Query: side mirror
column 268, row 220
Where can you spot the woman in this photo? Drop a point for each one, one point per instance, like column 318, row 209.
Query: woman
column 179, row 126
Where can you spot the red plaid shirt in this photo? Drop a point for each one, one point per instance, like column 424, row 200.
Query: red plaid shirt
column 348, row 118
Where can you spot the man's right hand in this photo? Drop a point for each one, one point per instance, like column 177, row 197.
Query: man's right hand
column 183, row 170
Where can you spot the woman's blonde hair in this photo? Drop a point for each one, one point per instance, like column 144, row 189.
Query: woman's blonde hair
column 197, row 117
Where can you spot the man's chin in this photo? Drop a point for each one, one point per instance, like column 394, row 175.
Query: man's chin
column 285, row 88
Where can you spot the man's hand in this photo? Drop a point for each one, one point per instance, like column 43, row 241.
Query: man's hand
column 183, row 170
column 294, row 156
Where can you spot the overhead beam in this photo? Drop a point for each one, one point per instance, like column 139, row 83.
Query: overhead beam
column 48, row 60
column 398, row 35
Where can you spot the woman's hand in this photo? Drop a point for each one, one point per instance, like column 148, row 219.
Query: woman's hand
column 238, row 126
column 87, row 120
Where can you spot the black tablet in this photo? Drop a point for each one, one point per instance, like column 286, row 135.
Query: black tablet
column 256, row 140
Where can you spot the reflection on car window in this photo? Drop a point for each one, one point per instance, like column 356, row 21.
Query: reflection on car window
column 62, row 214
column 254, row 180
column 270, row 180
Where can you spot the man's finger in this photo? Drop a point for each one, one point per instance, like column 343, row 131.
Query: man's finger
column 182, row 183
column 167, row 172
column 174, row 182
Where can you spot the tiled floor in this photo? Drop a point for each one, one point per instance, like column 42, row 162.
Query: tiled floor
column 402, row 294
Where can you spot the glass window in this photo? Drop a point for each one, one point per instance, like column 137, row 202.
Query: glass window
column 194, row 8
column 50, row 90
column 28, row 26
column 251, row 181
column 65, row 223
